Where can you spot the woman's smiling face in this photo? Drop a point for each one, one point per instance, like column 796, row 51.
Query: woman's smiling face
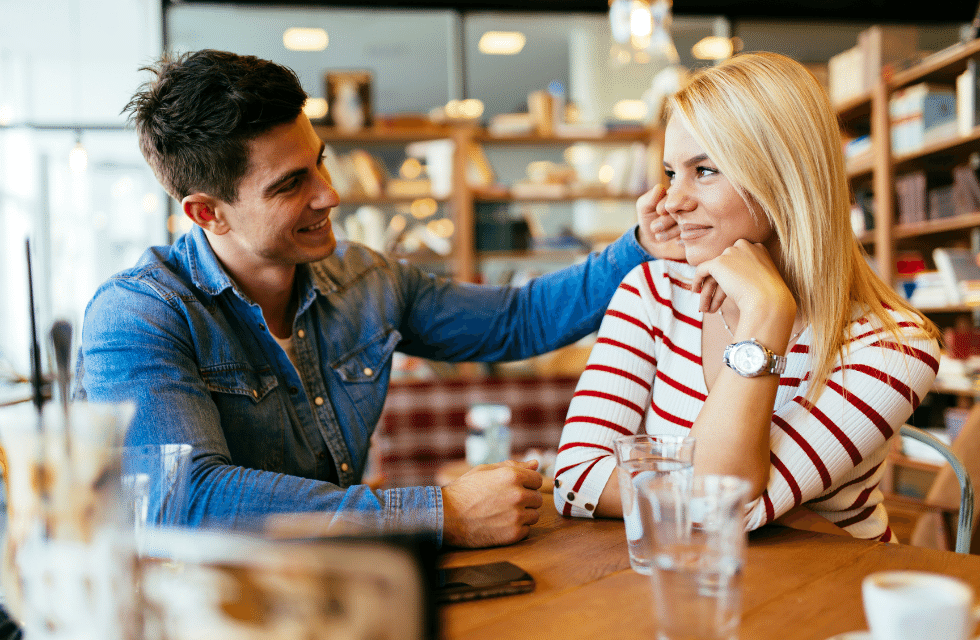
column 709, row 210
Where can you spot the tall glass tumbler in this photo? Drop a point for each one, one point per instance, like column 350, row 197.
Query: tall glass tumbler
column 697, row 537
column 155, row 487
column 647, row 456
column 67, row 566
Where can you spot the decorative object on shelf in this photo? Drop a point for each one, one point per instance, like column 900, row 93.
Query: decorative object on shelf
column 641, row 32
column 348, row 100
column 855, row 71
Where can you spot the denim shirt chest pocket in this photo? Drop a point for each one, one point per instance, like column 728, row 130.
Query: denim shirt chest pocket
column 364, row 372
column 242, row 395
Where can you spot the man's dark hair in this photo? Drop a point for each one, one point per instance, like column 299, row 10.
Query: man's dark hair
column 196, row 119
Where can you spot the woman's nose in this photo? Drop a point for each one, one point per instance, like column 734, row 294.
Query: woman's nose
column 678, row 199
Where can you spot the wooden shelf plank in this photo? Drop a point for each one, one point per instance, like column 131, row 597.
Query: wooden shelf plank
column 384, row 200
column 382, row 135
column 940, row 225
column 942, row 66
column 554, row 200
column 610, row 137
column 855, row 108
column 959, row 147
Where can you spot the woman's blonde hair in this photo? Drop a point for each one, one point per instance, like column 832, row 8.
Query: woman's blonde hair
column 769, row 126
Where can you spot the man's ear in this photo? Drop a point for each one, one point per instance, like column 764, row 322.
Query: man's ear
column 202, row 209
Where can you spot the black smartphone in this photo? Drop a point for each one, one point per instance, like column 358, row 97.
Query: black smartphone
column 455, row 584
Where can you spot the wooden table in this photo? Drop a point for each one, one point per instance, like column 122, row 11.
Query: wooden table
column 798, row 585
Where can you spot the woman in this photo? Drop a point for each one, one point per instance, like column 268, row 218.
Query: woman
column 826, row 362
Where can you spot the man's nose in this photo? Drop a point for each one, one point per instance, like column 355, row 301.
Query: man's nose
column 326, row 196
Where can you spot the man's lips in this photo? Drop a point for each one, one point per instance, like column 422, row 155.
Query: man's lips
column 317, row 226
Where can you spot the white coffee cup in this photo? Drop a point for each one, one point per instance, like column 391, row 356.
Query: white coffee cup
column 918, row 605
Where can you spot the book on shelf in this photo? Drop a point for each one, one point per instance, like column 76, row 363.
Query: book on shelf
column 967, row 104
column 967, row 189
column 479, row 171
column 960, row 274
column 928, row 291
column 370, row 173
column 340, row 175
column 910, row 189
column 942, row 202
column 920, row 114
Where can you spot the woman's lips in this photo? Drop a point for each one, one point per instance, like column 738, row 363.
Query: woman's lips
column 691, row 232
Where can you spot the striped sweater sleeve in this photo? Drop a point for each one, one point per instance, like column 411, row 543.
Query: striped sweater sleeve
column 610, row 398
column 829, row 454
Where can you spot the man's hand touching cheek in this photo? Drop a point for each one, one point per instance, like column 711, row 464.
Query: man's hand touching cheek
column 659, row 232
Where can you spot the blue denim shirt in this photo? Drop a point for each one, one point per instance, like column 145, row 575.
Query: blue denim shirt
column 175, row 336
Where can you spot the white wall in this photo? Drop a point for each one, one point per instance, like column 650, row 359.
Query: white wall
column 70, row 62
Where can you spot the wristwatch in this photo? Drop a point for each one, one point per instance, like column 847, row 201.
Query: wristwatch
column 750, row 359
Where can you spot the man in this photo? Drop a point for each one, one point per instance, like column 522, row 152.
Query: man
column 267, row 346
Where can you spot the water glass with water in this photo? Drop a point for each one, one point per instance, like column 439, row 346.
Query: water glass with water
column 697, row 539
column 645, row 456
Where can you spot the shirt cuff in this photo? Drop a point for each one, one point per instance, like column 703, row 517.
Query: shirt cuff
column 584, row 500
column 415, row 510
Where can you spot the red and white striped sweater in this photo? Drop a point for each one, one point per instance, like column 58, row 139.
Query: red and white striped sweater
column 647, row 359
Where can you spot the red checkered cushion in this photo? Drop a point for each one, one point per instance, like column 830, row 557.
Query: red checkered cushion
column 423, row 424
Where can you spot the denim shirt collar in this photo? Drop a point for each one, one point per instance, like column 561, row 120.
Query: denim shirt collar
column 210, row 277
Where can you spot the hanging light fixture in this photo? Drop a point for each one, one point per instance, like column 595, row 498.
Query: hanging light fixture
column 78, row 156
column 641, row 32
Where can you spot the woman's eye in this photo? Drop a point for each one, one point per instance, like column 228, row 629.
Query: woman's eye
column 706, row 171
column 669, row 174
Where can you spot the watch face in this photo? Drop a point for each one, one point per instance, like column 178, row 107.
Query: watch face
column 748, row 358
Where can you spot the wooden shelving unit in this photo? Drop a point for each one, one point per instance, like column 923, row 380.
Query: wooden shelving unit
column 870, row 112
column 879, row 168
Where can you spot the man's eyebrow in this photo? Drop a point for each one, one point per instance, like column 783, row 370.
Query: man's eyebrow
column 296, row 173
column 272, row 188
column 692, row 161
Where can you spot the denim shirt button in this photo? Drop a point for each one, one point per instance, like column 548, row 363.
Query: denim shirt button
column 293, row 391
column 368, row 371
column 255, row 394
column 318, row 401
column 344, row 467
column 300, row 334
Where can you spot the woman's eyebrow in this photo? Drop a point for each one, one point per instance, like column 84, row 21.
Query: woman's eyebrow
column 691, row 161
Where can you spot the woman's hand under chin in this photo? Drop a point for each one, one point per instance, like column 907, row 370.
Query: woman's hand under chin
column 745, row 273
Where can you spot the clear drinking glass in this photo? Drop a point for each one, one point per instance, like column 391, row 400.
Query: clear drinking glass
column 696, row 530
column 642, row 456
column 68, row 563
column 154, row 479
